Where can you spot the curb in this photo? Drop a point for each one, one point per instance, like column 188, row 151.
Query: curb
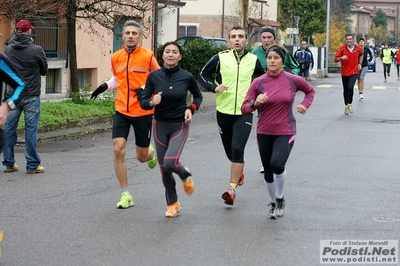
column 83, row 125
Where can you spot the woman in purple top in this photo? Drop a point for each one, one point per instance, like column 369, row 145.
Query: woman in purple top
column 273, row 94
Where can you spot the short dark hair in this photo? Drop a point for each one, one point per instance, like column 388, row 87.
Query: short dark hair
column 237, row 28
column 168, row 43
column 349, row 34
column 280, row 50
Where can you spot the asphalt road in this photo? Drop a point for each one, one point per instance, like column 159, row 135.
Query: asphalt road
column 343, row 184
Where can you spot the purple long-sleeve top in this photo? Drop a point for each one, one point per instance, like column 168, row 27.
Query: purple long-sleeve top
column 276, row 114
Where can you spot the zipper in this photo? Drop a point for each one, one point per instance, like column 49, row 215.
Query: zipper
column 237, row 80
column 127, row 82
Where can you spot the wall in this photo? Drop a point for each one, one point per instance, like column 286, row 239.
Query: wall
column 94, row 52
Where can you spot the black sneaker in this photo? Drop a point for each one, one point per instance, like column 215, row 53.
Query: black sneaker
column 280, row 207
column 271, row 213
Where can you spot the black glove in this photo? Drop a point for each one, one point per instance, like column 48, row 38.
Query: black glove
column 139, row 94
column 102, row 88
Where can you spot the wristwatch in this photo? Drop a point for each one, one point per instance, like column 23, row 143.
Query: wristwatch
column 151, row 103
column 11, row 104
column 252, row 103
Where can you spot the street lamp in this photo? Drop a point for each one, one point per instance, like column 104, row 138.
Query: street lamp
column 297, row 20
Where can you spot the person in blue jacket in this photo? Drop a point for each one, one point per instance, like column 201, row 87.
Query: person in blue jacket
column 13, row 94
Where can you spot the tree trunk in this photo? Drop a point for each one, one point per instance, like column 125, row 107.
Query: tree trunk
column 73, row 65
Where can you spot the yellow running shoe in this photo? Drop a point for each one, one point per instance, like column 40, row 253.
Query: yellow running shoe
column 350, row 108
column 153, row 162
column 126, row 201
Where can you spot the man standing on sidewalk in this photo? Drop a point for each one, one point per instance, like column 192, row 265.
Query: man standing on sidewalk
column 351, row 57
column 130, row 67
column 305, row 58
column 30, row 62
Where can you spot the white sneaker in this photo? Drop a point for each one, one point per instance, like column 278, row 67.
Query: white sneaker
column 262, row 170
column 361, row 97
column 279, row 207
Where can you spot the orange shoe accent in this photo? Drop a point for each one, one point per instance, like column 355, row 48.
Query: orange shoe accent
column 173, row 210
column 188, row 185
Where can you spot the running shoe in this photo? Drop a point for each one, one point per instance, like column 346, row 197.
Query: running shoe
column 346, row 110
column 241, row 180
column 126, row 201
column 188, row 183
column 12, row 169
column 262, row 170
column 153, row 162
column 229, row 196
column 271, row 213
column 173, row 210
column 361, row 97
column 388, row 74
column 350, row 108
column 280, row 207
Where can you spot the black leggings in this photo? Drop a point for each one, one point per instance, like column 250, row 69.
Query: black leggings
column 386, row 68
column 235, row 131
column 274, row 152
column 170, row 138
column 348, row 88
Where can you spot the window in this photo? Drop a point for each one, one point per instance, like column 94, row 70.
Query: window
column 362, row 23
column 51, row 81
column 85, row 77
column 187, row 29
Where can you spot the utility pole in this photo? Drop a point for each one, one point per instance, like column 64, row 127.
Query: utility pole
column 326, row 52
column 296, row 21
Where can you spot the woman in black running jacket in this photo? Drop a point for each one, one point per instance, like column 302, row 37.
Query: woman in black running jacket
column 170, row 85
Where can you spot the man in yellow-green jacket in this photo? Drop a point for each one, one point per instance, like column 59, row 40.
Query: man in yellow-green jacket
column 229, row 75
column 386, row 57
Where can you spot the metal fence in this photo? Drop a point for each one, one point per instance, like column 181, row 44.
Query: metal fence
column 52, row 36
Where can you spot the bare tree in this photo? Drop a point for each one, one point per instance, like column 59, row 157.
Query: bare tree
column 107, row 14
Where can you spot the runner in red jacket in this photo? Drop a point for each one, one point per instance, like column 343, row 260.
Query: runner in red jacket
column 351, row 57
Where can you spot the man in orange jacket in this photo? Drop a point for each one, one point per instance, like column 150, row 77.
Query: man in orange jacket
column 130, row 67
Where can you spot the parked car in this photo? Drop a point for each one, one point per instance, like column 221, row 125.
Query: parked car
column 182, row 41
column 372, row 65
